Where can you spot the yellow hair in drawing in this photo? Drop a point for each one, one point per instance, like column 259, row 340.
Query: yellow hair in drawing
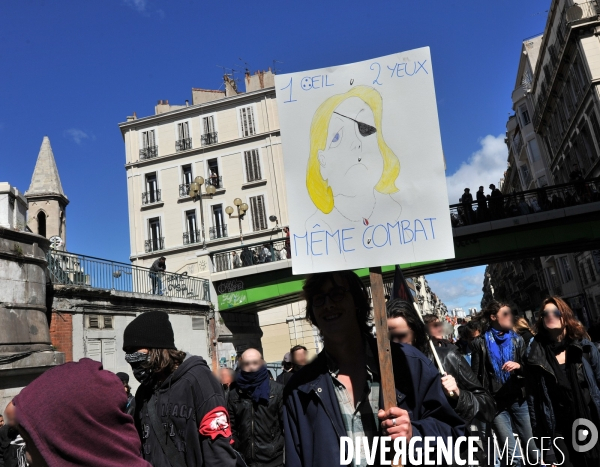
column 319, row 190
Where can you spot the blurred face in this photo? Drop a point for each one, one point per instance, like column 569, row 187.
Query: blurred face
column 552, row 317
column 334, row 310
column 299, row 357
column 400, row 332
column 251, row 360
column 9, row 413
column 225, row 376
column 473, row 335
column 436, row 329
column 504, row 318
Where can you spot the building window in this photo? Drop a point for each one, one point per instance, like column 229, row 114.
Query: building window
column 566, row 269
column 542, row 181
column 219, row 228
column 582, row 273
column 210, row 135
column 595, row 128
column 591, row 269
column 183, row 137
column 99, row 322
column 104, row 351
column 214, row 176
column 534, row 150
column 152, row 193
column 41, row 222
column 155, row 240
column 149, row 148
column 526, row 175
column 252, row 161
column 247, row 123
column 525, row 120
column 198, row 323
column 192, row 235
column 259, row 216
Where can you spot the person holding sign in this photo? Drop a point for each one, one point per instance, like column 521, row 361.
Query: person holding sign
column 339, row 393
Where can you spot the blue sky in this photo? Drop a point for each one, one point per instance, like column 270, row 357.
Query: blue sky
column 73, row 70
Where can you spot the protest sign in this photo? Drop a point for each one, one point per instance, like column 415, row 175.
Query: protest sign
column 364, row 164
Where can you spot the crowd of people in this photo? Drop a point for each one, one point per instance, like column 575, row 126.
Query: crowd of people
column 501, row 378
column 496, row 205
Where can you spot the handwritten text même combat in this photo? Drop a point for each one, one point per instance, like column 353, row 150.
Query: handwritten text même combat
column 319, row 241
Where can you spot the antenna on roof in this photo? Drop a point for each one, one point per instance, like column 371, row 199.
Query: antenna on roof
column 275, row 70
column 246, row 65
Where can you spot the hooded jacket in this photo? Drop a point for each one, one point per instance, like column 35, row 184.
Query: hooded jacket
column 257, row 428
column 539, row 376
column 75, row 415
column 181, row 401
column 313, row 422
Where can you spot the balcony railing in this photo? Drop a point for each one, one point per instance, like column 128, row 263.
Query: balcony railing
column 150, row 197
column 217, row 232
column 526, row 202
column 251, row 255
column 85, row 271
column 184, row 190
column 216, row 181
column 183, row 144
column 191, row 237
column 209, row 138
column 149, row 152
column 154, row 244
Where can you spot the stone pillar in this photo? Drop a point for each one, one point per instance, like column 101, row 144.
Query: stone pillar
column 25, row 347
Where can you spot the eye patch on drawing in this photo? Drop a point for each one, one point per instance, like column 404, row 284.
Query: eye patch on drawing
column 363, row 128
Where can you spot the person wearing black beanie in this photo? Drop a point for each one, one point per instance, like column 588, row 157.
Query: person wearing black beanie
column 180, row 409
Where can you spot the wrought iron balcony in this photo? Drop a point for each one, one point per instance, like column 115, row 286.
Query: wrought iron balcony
column 217, row 232
column 149, row 152
column 209, row 138
column 216, row 181
column 85, row 271
column 150, row 197
column 154, row 244
column 191, row 237
column 250, row 255
column 183, row 144
column 184, row 190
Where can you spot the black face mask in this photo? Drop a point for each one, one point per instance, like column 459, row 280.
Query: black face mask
column 142, row 373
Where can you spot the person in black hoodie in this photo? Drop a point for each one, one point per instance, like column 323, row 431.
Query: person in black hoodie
column 255, row 404
column 180, row 408
column 8, row 433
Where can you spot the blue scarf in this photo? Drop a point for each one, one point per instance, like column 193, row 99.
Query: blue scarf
column 255, row 383
column 501, row 350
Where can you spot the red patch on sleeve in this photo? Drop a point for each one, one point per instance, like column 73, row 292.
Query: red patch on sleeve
column 216, row 423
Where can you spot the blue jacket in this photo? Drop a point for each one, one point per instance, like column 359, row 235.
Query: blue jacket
column 313, row 422
column 537, row 376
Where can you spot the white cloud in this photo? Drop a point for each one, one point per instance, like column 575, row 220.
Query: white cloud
column 485, row 166
column 460, row 288
column 138, row 5
column 77, row 135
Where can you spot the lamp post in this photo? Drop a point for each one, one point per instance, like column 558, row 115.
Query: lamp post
column 241, row 211
column 196, row 194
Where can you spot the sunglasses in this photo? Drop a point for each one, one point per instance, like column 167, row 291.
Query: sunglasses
column 555, row 313
column 336, row 294
column 363, row 128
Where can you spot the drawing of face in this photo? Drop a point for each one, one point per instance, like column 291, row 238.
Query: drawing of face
column 351, row 162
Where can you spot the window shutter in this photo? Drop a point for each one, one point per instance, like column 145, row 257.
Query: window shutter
column 94, row 349
column 247, row 121
column 108, row 322
column 93, row 322
column 209, row 124
column 198, row 323
column 180, row 131
column 252, row 161
column 259, row 217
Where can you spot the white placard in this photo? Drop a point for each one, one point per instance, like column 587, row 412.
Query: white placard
column 364, row 164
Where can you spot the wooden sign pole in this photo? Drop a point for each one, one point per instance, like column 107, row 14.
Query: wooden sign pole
column 384, row 350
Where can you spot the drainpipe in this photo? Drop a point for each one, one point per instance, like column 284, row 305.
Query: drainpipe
column 212, row 336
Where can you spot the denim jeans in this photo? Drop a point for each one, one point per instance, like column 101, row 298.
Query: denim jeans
column 515, row 419
column 156, row 283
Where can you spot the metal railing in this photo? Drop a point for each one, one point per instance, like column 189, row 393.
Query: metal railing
column 150, row 197
column 86, row 271
column 217, row 232
column 191, row 237
column 149, row 152
column 184, row 190
column 183, row 144
column 209, row 138
column 154, row 244
column 216, row 181
column 526, row 202
column 251, row 255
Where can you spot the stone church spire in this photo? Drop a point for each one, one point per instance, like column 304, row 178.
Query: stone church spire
column 45, row 180
column 46, row 198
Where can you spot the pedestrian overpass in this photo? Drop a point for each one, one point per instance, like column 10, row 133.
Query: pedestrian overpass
column 542, row 222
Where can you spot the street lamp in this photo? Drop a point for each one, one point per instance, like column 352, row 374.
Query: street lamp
column 241, row 211
column 196, row 194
